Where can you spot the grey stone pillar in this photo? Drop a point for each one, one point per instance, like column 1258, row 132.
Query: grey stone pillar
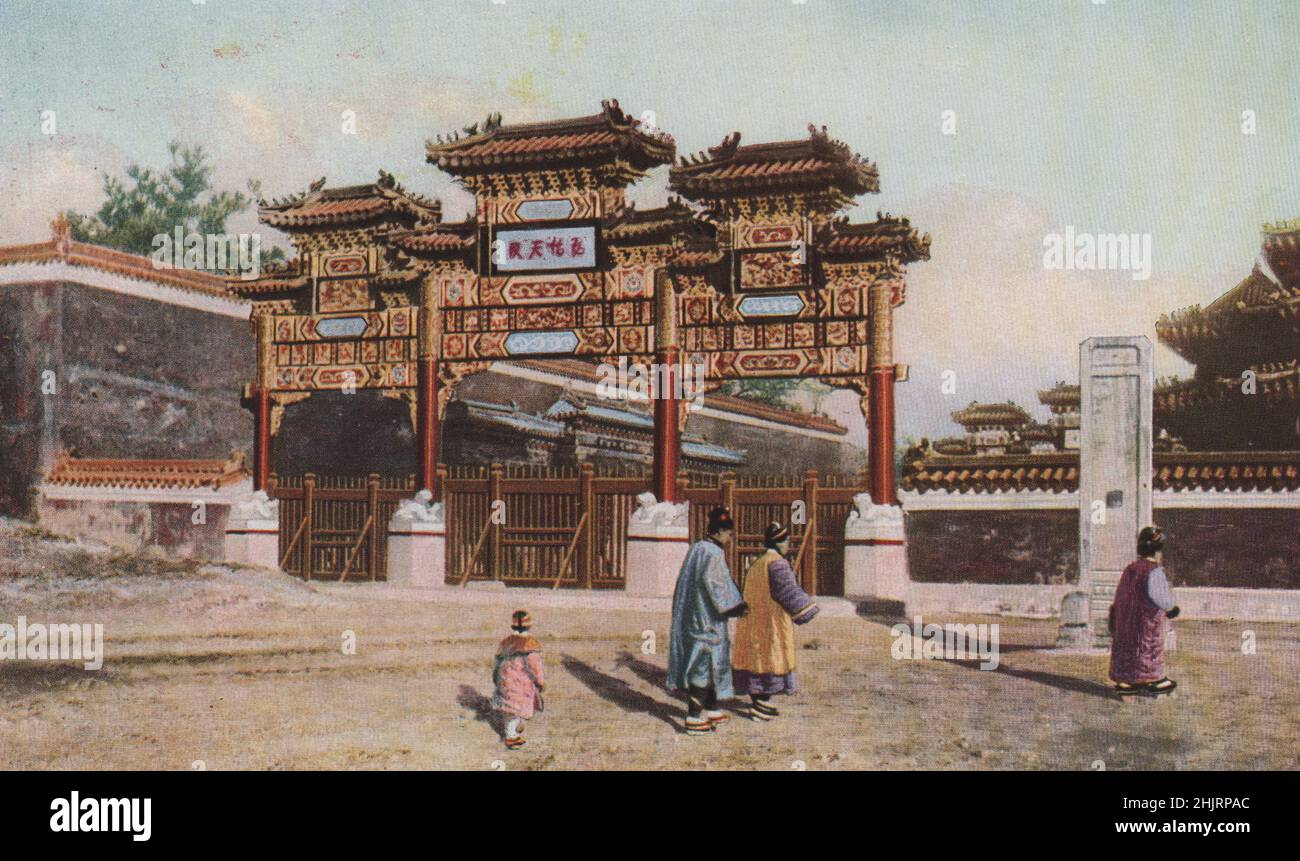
column 1116, row 380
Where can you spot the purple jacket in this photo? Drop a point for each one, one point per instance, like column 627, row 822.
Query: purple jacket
column 1137, row 651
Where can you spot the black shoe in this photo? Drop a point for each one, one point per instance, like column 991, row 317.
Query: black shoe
column 764, row 709
column 1162, row 687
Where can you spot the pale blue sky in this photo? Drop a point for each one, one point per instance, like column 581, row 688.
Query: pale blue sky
column 1123, row 116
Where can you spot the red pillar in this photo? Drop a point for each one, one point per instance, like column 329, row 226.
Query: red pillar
column 260, row 393
column 881, row 437
column 667, row 449
column 428, row 431
column 667, row 385
column 261, row 437
column 880, row 410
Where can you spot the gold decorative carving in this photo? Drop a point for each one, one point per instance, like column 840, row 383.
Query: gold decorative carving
column 280, row 400
column 449, row 376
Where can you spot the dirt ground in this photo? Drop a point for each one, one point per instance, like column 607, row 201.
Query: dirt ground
column 238, row 669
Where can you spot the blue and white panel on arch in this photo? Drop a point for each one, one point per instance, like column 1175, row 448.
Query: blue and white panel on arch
column 784, row 305
column 558, row 342
column 545, row 210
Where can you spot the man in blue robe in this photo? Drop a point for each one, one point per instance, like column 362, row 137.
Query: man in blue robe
column 699, row 648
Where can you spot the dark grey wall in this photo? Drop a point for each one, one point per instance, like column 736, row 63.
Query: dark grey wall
column 332, row 433
column 135, row 378
column 150, row 380
column 1248, row 548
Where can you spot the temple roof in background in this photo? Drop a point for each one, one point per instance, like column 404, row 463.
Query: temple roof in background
column 580, row 370
column 138, row 474
column 1002, row 415
column 1058, row 472
column 556, row 423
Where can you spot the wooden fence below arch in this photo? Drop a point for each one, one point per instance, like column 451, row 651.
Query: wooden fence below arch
column 553, row 527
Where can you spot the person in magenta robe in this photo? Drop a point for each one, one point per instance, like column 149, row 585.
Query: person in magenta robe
column 1143, row 603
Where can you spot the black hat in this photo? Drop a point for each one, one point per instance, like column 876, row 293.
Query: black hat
column 1150, row 541
column 719, row 519
column 774, row 534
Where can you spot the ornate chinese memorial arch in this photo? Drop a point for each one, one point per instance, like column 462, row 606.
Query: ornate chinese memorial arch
column 750, row 274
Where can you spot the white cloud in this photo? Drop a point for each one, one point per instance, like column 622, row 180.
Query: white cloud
column 40, row 179
column 985, row 308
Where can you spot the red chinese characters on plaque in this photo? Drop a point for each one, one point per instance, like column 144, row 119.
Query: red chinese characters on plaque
column 545, row 248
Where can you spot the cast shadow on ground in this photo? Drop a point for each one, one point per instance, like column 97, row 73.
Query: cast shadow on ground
column 644, row 670
column 1073, row 684
column 482, row 708
column 658, row 678
column 622, row 694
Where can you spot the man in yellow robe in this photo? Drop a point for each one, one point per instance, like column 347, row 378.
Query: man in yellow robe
column 763, row 660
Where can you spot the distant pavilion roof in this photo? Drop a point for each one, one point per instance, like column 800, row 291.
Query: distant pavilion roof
column 1007, row 415
column 1060, row 397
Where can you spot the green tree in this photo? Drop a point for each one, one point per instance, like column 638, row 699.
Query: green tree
column 777, row 392
column 158, row 201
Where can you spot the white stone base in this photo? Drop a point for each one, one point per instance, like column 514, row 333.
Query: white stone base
column 418, row 558
column 876, row 571
column 658, row 538
column 417, row 545
column 253, row 531
column 254, row 542
column 875, row 552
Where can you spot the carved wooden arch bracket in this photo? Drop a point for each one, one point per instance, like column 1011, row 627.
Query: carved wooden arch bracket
column 861, row 385
column 280, row 400
column 449, row 376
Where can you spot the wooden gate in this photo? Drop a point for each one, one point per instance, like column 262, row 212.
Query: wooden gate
column 552, row 526
column 335, row 527
column 757, row 500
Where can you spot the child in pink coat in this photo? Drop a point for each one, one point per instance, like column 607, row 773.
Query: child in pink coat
column 519, row 679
